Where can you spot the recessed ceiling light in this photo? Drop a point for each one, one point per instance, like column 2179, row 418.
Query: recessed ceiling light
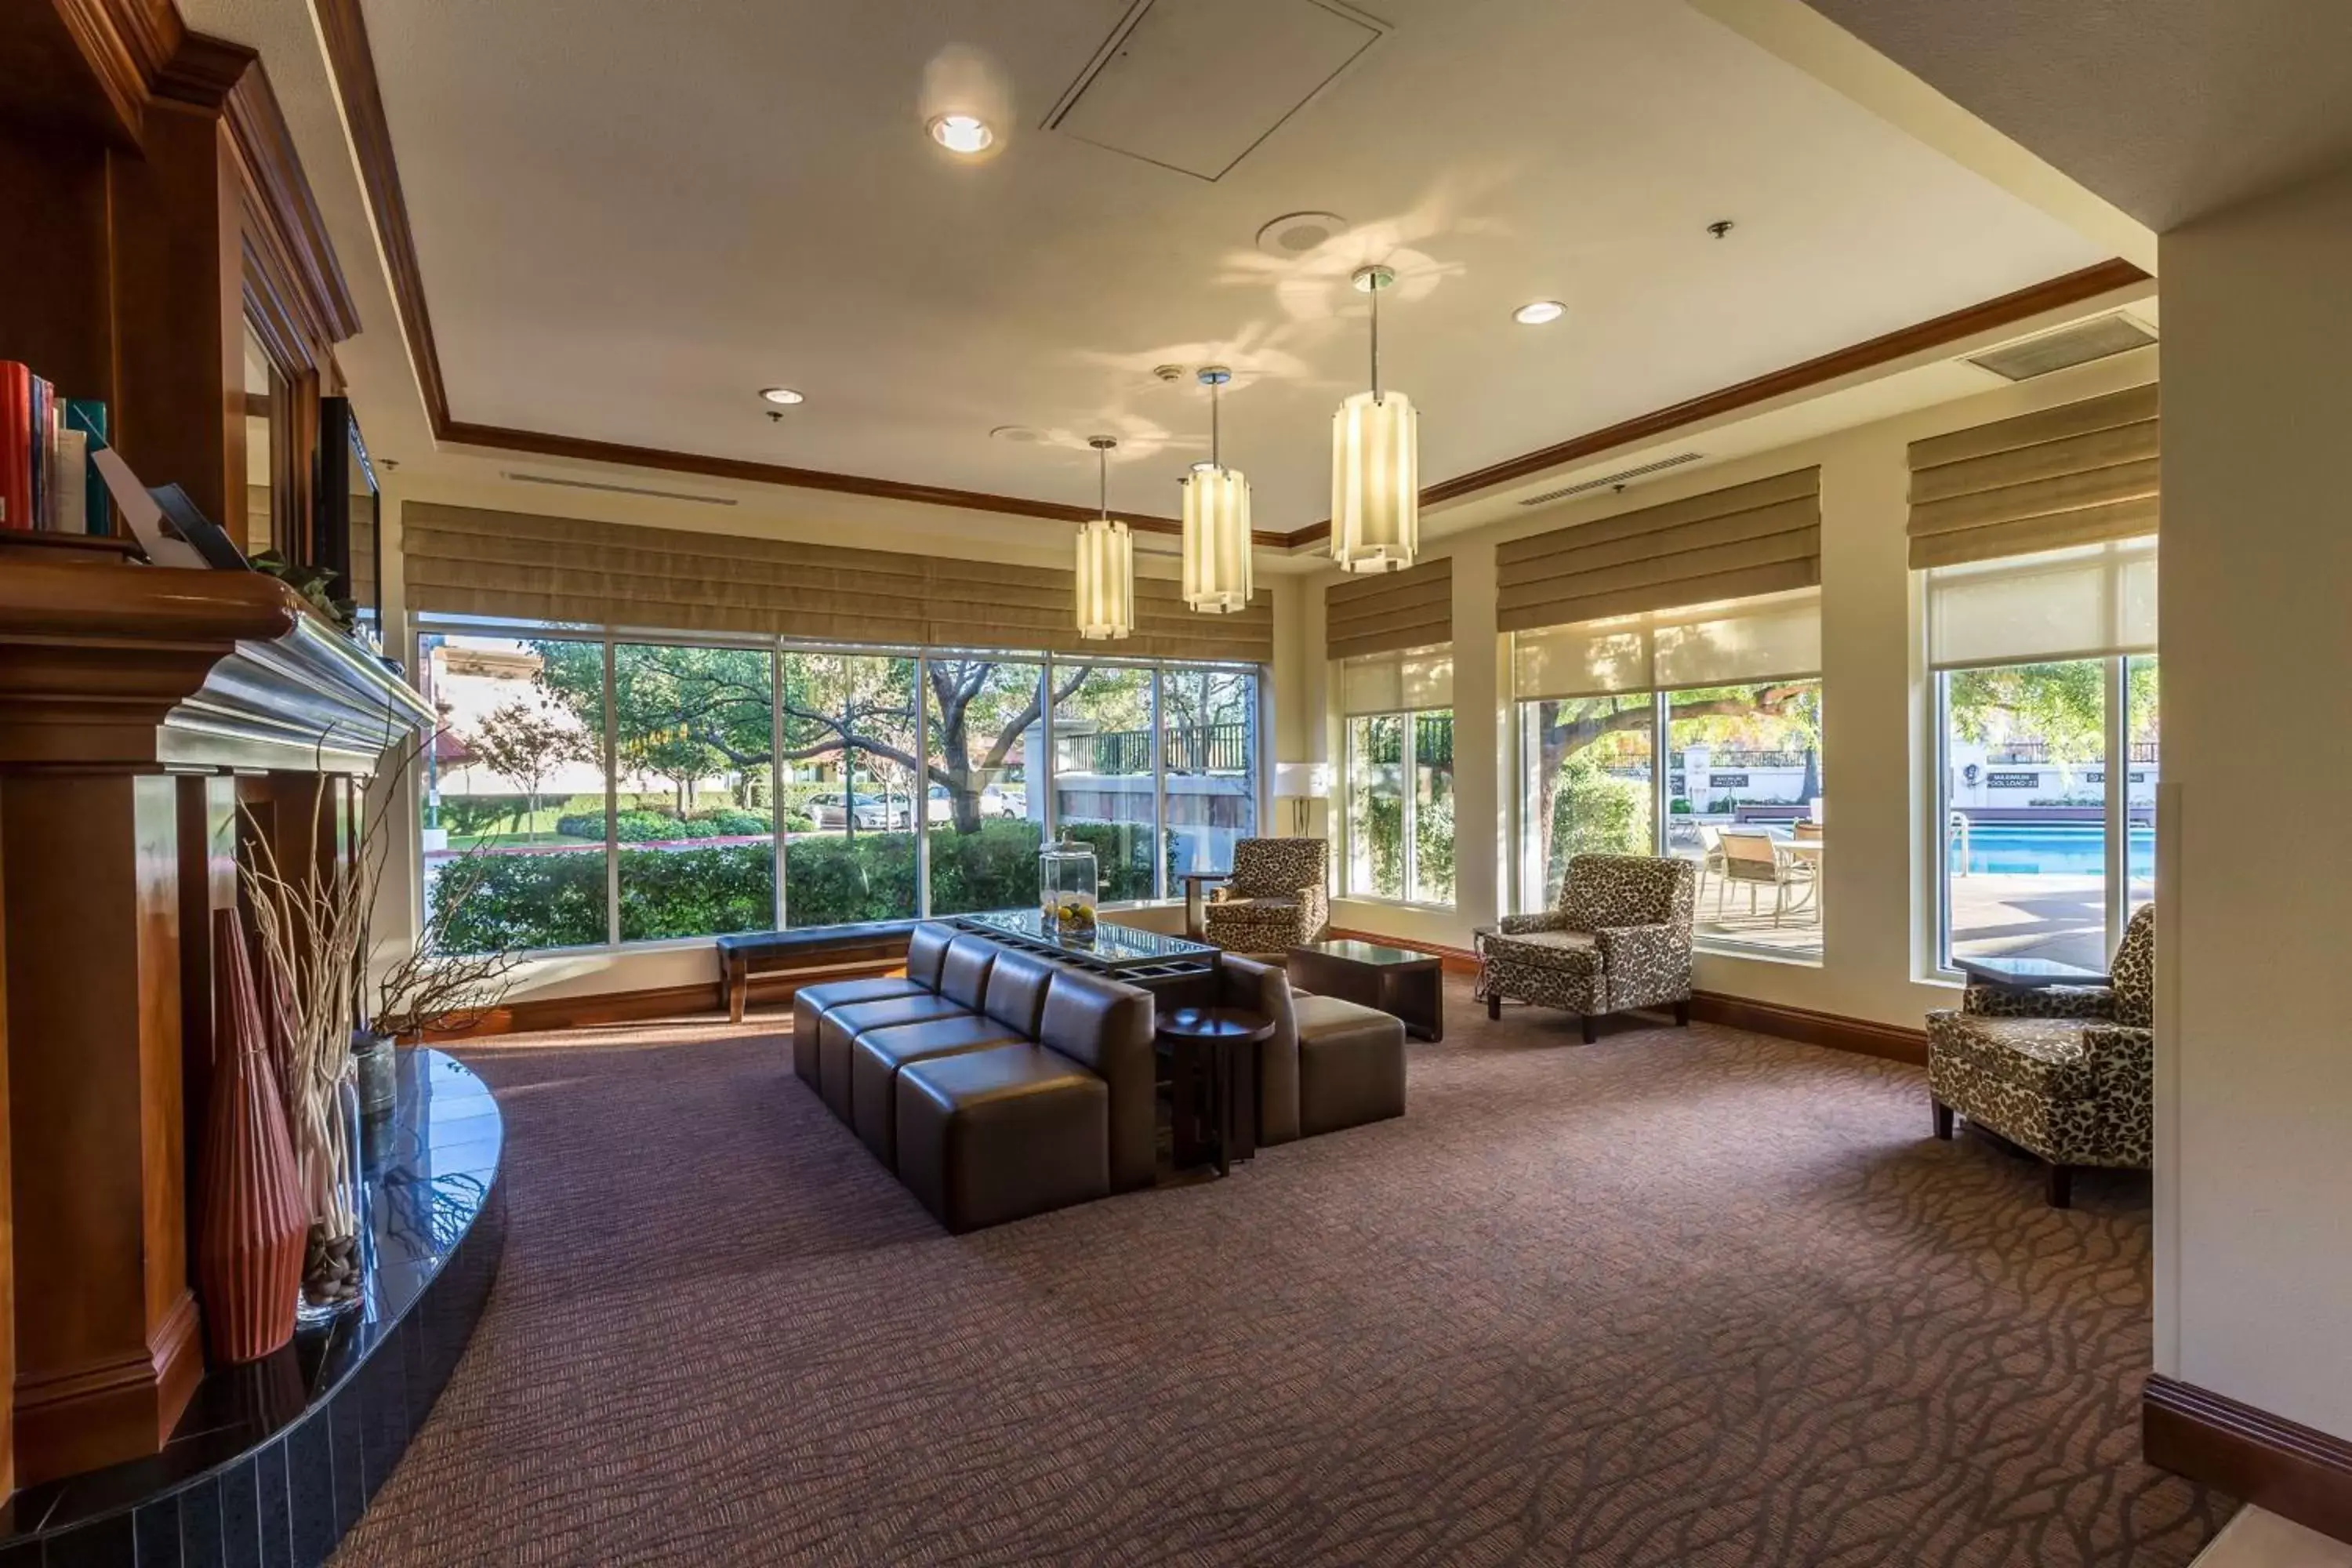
column 1019, row 434
column 1539, row 312
column 962, row 133
column 782, row 396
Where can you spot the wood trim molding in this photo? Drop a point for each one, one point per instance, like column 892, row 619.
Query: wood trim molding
column 580, row 448
column 289, row 258
column 1864, row 1036
column 2056, row 293
column 535, row 1015
column 2293, row 1470
column 351, row 61
column 352, row 64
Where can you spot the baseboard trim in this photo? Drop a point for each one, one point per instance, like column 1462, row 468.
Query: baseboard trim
column 535, row 1015
column 1888, row 1042
column 2296, row 1471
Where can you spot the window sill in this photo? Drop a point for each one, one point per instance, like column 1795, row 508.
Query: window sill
column 1414, row 904
column 1781, row 956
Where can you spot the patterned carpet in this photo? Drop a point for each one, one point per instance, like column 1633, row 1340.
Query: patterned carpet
column 1693, row 1298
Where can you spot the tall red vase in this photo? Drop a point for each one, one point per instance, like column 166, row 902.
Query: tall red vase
column 249, row 1214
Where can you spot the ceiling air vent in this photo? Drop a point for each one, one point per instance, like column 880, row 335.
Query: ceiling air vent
column 2068, row 346
column 616, row 489
column 1616, row 482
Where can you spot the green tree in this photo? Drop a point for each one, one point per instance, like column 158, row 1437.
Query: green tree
column 684, row 714
column 1567, row 730
column 525, row 741
column 2063, row 704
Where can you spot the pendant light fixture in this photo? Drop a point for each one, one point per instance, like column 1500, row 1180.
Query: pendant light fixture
column 1216, row 522
column 1105, row 564
column 1375, row 464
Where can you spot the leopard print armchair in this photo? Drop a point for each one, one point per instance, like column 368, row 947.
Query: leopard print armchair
column 1620, row 938
column 1276, row 898
column 2067, row 1073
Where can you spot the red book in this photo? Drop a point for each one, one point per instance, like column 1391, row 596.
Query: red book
column 15, row 446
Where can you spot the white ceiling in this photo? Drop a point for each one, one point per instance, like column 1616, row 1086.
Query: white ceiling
column 2168, row 109
column 629, row 217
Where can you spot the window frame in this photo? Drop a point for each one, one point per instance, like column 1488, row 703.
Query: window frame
column 2115, row 794
column 1527, row 878
column 1409, row 784
column 422, row 626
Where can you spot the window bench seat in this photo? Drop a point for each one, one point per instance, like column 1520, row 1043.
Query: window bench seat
column 814, row 950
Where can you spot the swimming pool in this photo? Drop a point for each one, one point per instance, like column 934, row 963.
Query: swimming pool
column 2051, row 850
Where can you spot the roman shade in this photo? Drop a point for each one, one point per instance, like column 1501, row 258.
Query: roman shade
column 1409, row 680
column 523, row 566
column 1771, row 637
column 1411, row 608
column 2082, row 473
column 1752, row 539
column 2083, row 602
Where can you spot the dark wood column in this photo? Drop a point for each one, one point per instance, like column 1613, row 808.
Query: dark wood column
column 107, row 1349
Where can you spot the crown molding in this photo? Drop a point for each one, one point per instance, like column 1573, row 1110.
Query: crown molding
column 352, row 64
column 2024, row 304
column 578, row 449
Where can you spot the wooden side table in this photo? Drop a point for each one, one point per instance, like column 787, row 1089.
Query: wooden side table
column 1402, row 982
column 1196, row 884
column 1214, row 1048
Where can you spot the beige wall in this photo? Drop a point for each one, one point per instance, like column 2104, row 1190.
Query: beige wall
column 2255, row 1073
column 1876, row 878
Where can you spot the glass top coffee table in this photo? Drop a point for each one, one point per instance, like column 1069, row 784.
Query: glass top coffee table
column 1123, row 953
column 1402, row 981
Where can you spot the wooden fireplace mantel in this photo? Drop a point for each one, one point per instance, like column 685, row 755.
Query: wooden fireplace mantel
column 104, row 665
column 153, row 723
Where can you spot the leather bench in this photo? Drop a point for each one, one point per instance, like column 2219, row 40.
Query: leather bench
column 995, row 1084
column 816, row 948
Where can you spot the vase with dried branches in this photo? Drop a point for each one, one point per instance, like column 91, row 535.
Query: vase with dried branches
column 435, row 987
column 313, row 920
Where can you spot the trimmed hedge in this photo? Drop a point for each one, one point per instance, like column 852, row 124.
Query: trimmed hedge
column 557, row 900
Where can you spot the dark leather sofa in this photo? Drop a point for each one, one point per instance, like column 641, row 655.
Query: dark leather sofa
column 996, row 1085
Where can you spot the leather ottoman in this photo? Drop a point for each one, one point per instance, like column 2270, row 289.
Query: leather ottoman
column 994, row 1135
column 1351, row 1064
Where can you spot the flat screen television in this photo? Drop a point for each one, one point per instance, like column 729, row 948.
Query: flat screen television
column 345, row 538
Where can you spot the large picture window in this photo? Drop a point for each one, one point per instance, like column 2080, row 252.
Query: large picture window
column 1729, row 696
column 1399, row 772
column 2046, row 739
column 1209, row 770
column 753, row 787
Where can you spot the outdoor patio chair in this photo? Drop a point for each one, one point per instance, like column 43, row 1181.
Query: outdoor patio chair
column 1620, row 938
column 2066, row 1073
column 1750, row 857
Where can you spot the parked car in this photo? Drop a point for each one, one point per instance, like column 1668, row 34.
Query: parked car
column 993, row 802
column 874, row 815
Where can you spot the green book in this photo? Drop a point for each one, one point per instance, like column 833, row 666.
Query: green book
column 88, row 414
